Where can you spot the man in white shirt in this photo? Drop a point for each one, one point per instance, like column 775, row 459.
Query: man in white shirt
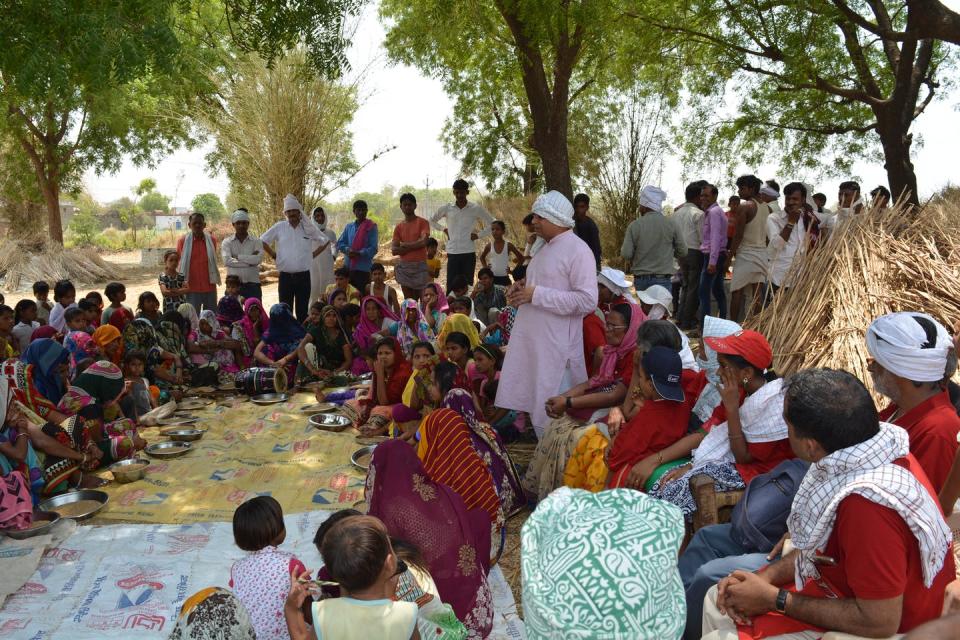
column 688, row 219
column 242, row 254
column 462, row 218
column 787, row 234
column 295, row 239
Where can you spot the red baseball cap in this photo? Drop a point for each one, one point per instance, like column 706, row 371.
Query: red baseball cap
column 749, row 345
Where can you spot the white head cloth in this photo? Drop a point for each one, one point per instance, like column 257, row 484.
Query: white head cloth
column 240, row 216
column 290, row 203
column 652, row 197
column 555, row 207
column 616, row 281
column 770, row 192
column 901, row 346
column 657, row 296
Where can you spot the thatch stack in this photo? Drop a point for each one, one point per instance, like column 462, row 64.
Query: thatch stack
column 876, row 263
column 21, row 265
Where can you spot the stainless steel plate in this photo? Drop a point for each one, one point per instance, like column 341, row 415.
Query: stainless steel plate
column 168, row 449
column 183, row 435
column 270, row 398
column 59, row 503
column 329, row 422
column 361, row 457
column 51, row 518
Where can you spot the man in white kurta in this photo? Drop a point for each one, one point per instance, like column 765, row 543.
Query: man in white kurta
column 545, row 354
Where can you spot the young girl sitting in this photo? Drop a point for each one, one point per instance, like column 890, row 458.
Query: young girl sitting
column 208, row 344
column 359, row 557
column 456, row 349
column 416, row 395
column 260, row 579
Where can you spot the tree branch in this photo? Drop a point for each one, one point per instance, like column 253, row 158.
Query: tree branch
column 859, row 60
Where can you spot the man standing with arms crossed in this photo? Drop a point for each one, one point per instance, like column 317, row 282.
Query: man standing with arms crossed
column 462, row 217
column 410, row 242
column 242, row 254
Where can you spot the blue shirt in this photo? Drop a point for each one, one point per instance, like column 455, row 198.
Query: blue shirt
column 365, row 261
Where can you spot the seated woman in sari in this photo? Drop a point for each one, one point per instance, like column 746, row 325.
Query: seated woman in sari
column 747, row 435
column 434, row 306
column 416, row 399
column 189, row 313
column 411, row 328
column 209, row 345
column 454, row 541
column 93, row 396
column 278, row 344
column 376, row 318
column 461, row 451
column 249, row 329
column 326, row 348
column 110, row 341
column 63, row 443
column 391, row 371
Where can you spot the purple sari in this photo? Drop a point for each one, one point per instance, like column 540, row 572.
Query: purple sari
column 454, row 542
column 490, row 446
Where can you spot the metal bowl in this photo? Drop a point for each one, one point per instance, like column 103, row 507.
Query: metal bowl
column 60, row 503
column 357, row 458
column 167, row 449
column 317, row 407
column 51, row 518
column 365, row 376
column 128, row 470
column 329, row 422
column 177, row 421
column 183, row 435
column 270, row 398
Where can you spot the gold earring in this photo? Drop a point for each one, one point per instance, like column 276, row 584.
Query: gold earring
column 745, row 381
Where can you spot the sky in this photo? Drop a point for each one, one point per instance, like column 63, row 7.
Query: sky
column 403, row 108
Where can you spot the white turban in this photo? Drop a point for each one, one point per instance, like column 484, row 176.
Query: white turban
column 555, row 207
column 652, row 197
column 900, row 344
column 616, row 281
column 240, row 216
column 290, row 203
column 770, row 192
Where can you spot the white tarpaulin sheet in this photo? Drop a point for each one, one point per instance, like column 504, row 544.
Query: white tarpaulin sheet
column 128, row 581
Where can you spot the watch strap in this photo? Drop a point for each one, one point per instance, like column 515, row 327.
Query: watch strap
column 781, row 605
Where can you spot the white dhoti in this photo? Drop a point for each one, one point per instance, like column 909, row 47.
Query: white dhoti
column 750, row 266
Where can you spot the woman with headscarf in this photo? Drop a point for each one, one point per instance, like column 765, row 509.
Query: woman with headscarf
column 213, row 613
column 376, row 319
column 455, row 541
column 189, row 313
column 746, row 435
column 433, row 305
column 412, row 327
column 248, row 330
column 209, row 345
column 44, row 331
column 372, row 414
column 460, row 323
column 110, row 341
column 325, row 348
column 80, row 346
column 586, row 544
column 93, row 396
column 278, row 344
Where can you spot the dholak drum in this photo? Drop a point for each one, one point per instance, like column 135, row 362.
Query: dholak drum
column 260, row 380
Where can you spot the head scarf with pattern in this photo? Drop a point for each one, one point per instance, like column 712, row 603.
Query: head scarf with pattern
column 612, row 354
column 213, row 614
column 80, row 346
column 102, row 380
column 188, row 311
column 46, row 331
column 419, row 332
column 461, row 323
column 46, row 355
column 246, row 324
column 366, row 332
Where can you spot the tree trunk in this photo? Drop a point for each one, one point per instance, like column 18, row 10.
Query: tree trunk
column 896, row 140
column 552, row 148
column 51, row 195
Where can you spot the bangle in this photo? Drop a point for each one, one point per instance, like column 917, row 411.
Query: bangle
column 569, row 402
column 739, row 437
column 21, row 435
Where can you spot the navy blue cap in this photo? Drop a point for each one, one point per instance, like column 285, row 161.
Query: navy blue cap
column 664, row 367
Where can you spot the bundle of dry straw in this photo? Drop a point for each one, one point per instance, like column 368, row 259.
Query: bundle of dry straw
column 22, row 265
column 875, row 263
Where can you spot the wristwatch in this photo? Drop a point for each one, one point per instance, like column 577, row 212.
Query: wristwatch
column 781, row 605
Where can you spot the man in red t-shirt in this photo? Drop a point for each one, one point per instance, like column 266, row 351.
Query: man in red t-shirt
column 912, row 356
column 198, row 262
column 862, row 568
column 410, row 243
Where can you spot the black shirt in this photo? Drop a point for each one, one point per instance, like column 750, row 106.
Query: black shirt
column 587, row 231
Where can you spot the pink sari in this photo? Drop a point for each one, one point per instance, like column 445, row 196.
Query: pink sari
column 454, row 542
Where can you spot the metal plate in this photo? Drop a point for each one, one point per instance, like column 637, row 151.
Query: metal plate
column 270, row 398
column 371, row 439
column 176, row 422
column 167, row 449
column 318, row 407
column 51, row 517
column 356, row 461
column 329, row 422
column 183, row 435
column 123, row 474
column 333, row 390
column 57, row 503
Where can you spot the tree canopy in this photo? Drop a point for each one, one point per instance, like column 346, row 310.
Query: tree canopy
column 209, row 205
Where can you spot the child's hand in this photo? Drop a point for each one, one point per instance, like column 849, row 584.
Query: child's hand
column 298, row 591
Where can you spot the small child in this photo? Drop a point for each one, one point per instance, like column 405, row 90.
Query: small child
column 457, row 350
column 76, row 320
column 140, row 399
column 230, row 307
column 338, row 299
column 91, row 313
column 378, row 287
column 433, row 260
column 149, row 307
column 8, row 345
column 116, row 293
column 359, row 556
column 64, row 294
column 350, row 315
column 97, row 299
column 173, row 284
column 499, row 250
column 261, row 579
column 341, row 281
column 25, row 323
column 41, row 291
